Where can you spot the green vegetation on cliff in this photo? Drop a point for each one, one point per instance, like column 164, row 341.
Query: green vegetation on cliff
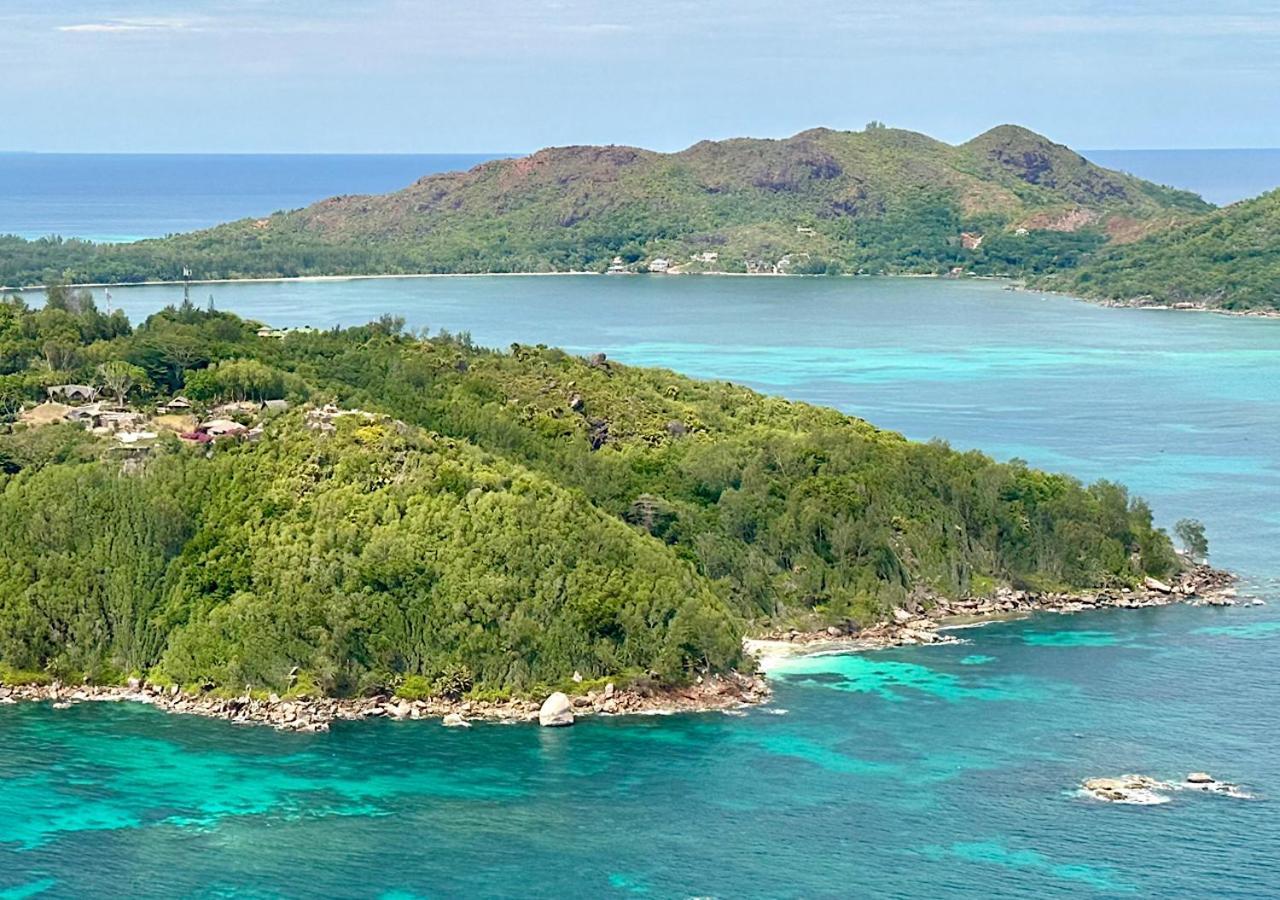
column 499, row 520
column 1228, row 260
column 881, row 200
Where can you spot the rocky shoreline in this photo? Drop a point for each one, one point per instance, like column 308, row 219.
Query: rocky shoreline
column 711, row 693
column 928, row 620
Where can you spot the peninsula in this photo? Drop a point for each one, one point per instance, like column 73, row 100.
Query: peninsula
column 215, row 506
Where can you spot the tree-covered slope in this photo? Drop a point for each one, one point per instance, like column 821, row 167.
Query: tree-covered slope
column 879, row 200
column 356, row 557
column 1228, row 260
column 524, row 515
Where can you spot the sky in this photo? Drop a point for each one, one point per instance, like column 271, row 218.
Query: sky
column 420, row 76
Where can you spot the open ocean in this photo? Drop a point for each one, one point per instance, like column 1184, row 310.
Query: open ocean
column 123, row 197
column 918, row 772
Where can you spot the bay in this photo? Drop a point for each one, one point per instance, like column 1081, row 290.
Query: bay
column 943, row 772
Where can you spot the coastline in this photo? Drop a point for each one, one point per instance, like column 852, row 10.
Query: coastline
column 932, row 621
column 713, row 693
column 926, row 623
column 1020, row 286
column 1012, row 282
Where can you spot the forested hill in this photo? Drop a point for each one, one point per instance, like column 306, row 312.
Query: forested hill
column 491, row 522
column 881, row 200
column 1228, row 260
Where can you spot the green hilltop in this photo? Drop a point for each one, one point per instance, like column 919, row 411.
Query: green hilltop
column 882, row 200
column 491, row 522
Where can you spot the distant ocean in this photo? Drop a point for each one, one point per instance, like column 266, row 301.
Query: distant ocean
column 124, row 197
column 121, row 197
column 1220, row 176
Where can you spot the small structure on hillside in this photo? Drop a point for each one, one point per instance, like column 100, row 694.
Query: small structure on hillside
column 660, row 266
column 178, row 404
column 617, row 267
column 218, row 428
column 73, row 393
column 275, row 406
column 266, row 331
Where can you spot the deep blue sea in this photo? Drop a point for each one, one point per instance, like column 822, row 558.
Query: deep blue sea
column 1220, row 176
column 123, row 197
column 922, row 772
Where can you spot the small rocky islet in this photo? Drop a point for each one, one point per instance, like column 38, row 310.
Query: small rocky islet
column 1144, row 790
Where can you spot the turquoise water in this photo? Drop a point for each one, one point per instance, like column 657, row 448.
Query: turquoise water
column 930, row 771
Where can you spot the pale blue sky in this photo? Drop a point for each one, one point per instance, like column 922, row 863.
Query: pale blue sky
column 512, row 75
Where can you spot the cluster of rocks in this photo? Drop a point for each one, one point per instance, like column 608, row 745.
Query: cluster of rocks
column 713, row 692
column 923, row 619
column 1143, row 790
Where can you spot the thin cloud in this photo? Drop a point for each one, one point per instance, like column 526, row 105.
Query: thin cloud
column 121, row 26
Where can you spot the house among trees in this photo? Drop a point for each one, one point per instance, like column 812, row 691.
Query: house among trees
column 178, row 404
column 73, row 393
column 216, row 428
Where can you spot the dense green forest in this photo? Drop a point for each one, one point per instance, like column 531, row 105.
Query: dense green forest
column 1228, row 260
column 877, row 201
column 495, row 522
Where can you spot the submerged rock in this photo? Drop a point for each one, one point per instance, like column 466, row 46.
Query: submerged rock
column 556, row 711
column 455, row 720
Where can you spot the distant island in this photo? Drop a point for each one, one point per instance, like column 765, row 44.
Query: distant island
column 879, row 201
column 211, row 504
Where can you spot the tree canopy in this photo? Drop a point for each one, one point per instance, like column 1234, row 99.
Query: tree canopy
column 499, row 519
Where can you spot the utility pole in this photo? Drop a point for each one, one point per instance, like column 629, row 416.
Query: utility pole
column 186, row 286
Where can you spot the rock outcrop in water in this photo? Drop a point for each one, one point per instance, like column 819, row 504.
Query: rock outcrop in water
column 1143, row 790
column 1140, row 790
column 556, row 711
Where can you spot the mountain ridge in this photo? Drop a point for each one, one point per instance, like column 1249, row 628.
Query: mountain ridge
column 877, row 201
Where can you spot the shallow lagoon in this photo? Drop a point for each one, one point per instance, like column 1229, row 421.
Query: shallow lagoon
column 939, row 771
